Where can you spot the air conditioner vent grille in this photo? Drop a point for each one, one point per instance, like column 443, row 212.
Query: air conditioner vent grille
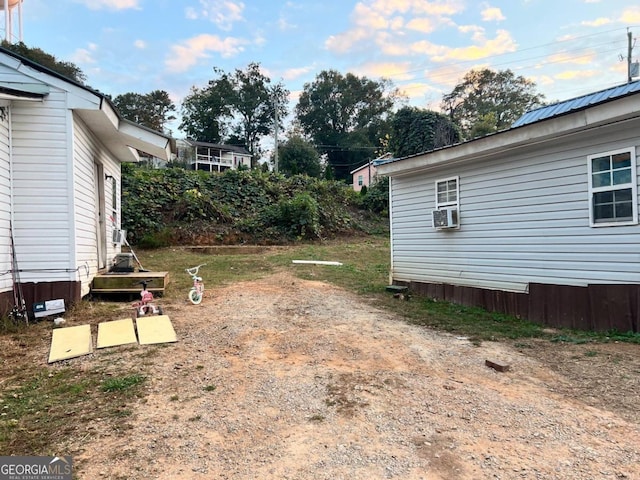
column 445, row 218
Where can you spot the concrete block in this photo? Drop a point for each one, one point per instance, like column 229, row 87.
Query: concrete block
column 497, row 365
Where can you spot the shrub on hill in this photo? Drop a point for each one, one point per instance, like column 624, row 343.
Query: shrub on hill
column 176, row 206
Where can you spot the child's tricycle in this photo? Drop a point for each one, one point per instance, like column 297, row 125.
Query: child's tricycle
column 145, row 306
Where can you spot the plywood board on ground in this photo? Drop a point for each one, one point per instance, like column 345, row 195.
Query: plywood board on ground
column 118, row 332
column 70, row 342
column 155, row 329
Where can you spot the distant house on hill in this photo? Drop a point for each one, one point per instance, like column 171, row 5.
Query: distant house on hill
column 540, row 220
column 212, row 157
column 367, row 174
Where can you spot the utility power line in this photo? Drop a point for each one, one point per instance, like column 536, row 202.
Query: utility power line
column 516, row 52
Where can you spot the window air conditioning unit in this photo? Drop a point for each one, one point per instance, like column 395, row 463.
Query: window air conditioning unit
column 119, row 236
column 445, row 218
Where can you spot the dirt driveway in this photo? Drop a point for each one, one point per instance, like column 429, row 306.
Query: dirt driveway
column 289, row 379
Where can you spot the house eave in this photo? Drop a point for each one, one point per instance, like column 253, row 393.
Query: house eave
column 517, row 138
column 119, row 136
column 34, row 92
column 122, row 137
column 363, row 167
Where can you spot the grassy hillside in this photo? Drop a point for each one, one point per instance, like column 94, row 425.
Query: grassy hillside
column 184, row 207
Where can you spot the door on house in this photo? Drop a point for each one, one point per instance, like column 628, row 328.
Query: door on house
column 101, row 236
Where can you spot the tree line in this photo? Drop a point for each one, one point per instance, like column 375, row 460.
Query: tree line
column 340, row 121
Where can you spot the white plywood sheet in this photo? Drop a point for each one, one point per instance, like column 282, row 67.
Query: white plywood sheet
column 118, row 332
column 70, row 342
column 155, row 329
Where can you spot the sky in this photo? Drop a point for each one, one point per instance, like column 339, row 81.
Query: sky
column 567, row 47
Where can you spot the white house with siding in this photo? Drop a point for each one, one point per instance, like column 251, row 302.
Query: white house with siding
column 61, row 147
column 540, row 220
column 212, row 157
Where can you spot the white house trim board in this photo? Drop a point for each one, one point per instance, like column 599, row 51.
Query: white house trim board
column 5, row 206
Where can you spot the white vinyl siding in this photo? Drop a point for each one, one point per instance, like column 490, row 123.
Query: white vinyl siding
column 41, row 167
column 526, row 220
column 5, row 205
column 88, row 151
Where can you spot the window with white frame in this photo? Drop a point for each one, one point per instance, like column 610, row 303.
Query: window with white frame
column 613, row 193
column 447, row 191
column 446, row 215
column 360, row 180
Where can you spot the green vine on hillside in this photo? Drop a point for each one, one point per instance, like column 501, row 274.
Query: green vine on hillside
column 177, row 206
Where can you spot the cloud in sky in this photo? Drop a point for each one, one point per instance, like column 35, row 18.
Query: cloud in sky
column 370, row 18
column 140, row 44
column 284, row 25
column 84, row 56
column 395, row 71
column 189, row 52
column 598, row 22
column 224, row 13
column 492, row 14
column 484, row 47
column 424, row 25
column 110, row 4
column 631, row 15
column 576, row 74
column 421, row 90
column 294, row 73
column 415, row 7
column 566, row 58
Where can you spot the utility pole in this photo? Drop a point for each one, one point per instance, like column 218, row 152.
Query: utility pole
column 275, row 133
column 629, row 52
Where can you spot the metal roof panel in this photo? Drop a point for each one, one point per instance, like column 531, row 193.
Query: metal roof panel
column 578, row 103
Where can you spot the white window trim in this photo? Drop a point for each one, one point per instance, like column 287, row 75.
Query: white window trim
column 634, row 188
column 448, row 204
column 455, row 205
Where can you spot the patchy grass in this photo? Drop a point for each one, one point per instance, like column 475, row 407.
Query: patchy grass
column 472, row 322
column 39, row 414
column 364, row 270
column 123, row 384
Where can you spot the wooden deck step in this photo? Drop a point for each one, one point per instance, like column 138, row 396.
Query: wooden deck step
column 129, row 282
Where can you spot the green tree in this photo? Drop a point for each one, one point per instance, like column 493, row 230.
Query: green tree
column 40, row 57
column 240, row 104
column 344, row 115
column 153, row 110
column 253, row 101
column 203, row 113
column 298, row 156
column 415, row 130
column 485, row 92
column 485, row 125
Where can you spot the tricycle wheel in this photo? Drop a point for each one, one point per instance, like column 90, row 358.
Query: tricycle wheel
column 195, row 297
